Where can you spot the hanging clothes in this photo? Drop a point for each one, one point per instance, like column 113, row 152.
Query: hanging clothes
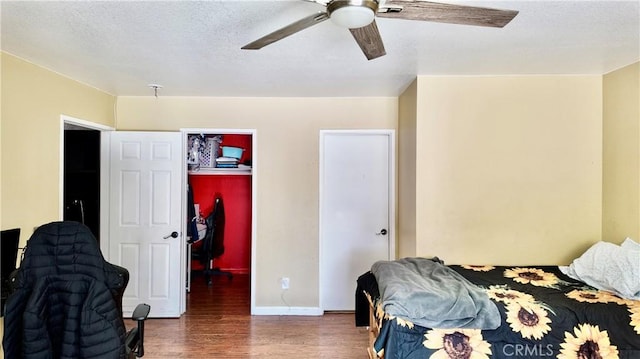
column 192, row 216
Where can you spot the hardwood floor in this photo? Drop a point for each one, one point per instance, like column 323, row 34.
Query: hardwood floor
column 218, row 324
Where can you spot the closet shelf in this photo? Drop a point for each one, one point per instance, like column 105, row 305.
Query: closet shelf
column 244, row 170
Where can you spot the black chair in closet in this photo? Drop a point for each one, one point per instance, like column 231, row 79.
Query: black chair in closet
column 213, row 242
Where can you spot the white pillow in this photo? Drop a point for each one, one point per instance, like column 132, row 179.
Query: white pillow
column 630, row 244
column 610, row 267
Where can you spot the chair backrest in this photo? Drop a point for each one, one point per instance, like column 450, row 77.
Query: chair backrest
column 67, row 297
column 66, row 248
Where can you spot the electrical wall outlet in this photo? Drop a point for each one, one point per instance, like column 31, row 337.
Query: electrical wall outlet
column 284, row 282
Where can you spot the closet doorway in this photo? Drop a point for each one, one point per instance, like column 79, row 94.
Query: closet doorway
column 220, row 176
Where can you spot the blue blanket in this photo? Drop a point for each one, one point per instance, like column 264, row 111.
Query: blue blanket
column 431, row 295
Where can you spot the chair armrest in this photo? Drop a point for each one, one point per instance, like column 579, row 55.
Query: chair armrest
column 135, row 338
column 141, row 312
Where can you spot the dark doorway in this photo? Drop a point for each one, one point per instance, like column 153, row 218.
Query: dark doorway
column 82, row 177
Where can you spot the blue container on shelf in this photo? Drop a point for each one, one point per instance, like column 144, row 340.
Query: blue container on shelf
column 234, row 152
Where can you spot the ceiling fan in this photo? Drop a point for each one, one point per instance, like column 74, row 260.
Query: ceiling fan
column 359, row 17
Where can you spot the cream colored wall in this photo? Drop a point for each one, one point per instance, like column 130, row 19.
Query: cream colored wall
column 621, row 152
column 509, row 169
column 406, row 213
column 287, row 164
column 33, row 99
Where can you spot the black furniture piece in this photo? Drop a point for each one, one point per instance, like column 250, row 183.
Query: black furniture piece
column 66, row 300
column 9, row 250
column 213, row 242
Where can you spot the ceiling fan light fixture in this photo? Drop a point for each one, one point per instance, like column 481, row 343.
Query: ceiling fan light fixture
column 352, row 14
column 352, row 17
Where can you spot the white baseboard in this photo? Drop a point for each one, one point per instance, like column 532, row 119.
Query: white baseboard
column 315, row 311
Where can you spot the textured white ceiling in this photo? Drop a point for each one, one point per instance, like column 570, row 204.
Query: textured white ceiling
column 193, row 48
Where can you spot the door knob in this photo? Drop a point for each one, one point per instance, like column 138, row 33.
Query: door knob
column 172, row 235
column 383, row 232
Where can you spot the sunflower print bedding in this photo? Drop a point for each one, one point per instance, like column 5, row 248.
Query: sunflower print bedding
column 545, row 314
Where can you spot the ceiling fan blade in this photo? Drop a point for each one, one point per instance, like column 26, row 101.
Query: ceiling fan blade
column 447, row 13
column 369, row 40
column 287, row 30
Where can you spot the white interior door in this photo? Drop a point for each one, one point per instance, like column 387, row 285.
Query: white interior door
column 145, row 210
column 356, row 182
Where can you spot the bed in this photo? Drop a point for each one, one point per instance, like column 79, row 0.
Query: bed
column 541, row 311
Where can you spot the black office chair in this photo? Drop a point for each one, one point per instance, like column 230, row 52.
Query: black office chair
column 213, row 242
column 66, row 300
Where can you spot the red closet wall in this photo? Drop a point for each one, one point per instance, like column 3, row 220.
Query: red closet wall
column 236, row 195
